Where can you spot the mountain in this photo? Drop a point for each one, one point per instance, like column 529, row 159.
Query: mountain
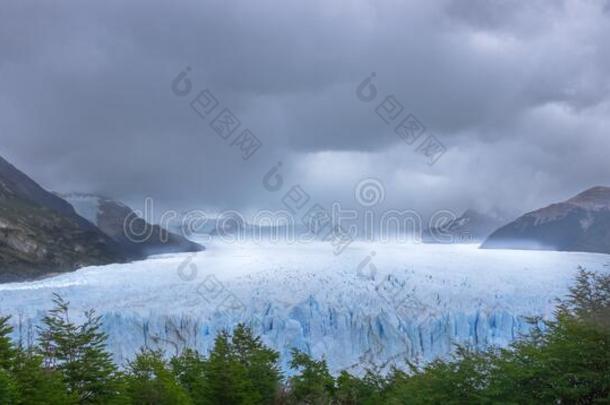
column 581, row 223
column 131, row 232
column 471, row 226
column 41, row 233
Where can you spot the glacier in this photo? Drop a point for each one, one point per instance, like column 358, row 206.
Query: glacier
column 376, row 305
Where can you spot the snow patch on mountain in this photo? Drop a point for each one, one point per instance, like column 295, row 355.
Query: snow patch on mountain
column 85, row 205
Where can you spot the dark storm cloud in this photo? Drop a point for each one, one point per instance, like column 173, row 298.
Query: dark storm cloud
column 518, row 92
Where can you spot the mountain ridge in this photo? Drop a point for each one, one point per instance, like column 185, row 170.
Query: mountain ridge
column 580, row 223
column 471, row 226
column 133, row 233
column 41, row 234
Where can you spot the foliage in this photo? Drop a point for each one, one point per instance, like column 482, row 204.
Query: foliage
column 314, row 384
column 189, row 369
column 78, row 352
column 150, row 381
column 37, row 384
column 241, row 370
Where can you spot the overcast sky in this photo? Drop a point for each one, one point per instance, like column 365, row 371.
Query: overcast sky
column 517, row 92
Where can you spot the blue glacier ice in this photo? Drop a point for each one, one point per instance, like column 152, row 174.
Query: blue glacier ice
column 409, row 303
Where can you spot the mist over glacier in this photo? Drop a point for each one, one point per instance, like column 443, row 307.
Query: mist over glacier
column 375, row 305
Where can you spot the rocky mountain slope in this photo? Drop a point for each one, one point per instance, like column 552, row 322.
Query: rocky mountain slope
column 581, row 223
column 131, row 232
column 41, row 234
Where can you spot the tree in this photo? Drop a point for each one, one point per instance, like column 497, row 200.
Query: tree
column 260, row 365
column 224, row 378
column 459, row 380
column 22, row 379
column 566, row 361
column 37, row 385
column 8, row 389
column 7, row 350
column 79, row 353
column 588, row 300
column 189, row 370
column 150, row 381
column 313, row 384
column 241, row 369
column 355, row 390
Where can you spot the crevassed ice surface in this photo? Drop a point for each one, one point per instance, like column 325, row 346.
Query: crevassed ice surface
column 408, row 302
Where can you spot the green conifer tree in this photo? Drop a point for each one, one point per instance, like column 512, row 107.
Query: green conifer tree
column 189, row 370
column 313, row 384
column 79, row 353
column 150, row 381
